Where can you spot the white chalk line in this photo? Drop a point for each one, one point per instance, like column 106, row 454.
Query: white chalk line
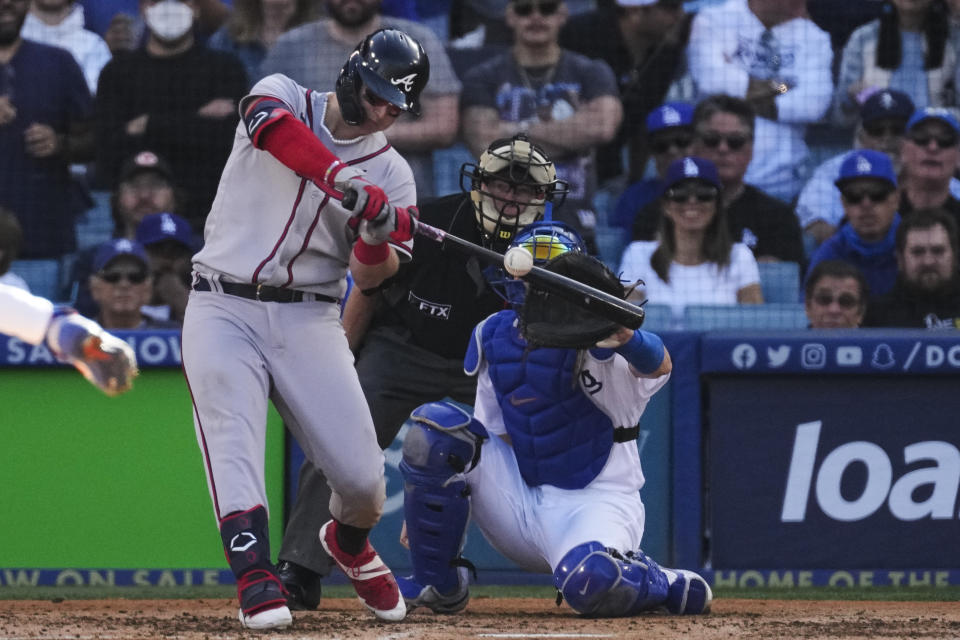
column 545, row 635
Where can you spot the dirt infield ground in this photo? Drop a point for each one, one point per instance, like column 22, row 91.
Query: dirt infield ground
column 484, row 618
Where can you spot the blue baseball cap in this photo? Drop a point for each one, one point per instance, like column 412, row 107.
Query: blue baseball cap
column 158, row 227
column 866, row 163
column 670, row 114
column 886, row 103
column 112, row 249
column 934, row 113
column 691, row 168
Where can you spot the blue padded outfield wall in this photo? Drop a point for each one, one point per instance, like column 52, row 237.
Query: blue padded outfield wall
column 772, row 458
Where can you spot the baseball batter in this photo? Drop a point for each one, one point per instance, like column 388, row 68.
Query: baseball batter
column 548, row 464
column 106, row 361
column 263, row 320
column 421, row 322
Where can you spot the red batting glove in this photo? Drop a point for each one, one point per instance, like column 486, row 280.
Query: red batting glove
column 376, row 204
column 371, row 201
column 406, row 224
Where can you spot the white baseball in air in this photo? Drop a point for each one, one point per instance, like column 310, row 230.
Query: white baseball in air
column 518, row 261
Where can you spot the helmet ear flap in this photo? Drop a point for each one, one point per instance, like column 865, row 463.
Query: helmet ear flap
column 348, row 91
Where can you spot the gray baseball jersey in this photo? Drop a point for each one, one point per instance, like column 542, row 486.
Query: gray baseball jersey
column 269, row 225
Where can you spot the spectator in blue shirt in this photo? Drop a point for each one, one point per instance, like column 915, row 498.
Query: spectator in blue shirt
column 254, row 27
column 170, row 244
column 45, row 113
column 882, row 126
column 99, row 14
column 868, row 187
column 669, row 137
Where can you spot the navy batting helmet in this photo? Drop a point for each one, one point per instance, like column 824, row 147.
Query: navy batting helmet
column 391, row 65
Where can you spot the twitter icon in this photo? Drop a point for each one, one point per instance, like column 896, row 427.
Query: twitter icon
column 776, row 358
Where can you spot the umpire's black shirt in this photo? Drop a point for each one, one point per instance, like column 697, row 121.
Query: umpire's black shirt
column 441, row 294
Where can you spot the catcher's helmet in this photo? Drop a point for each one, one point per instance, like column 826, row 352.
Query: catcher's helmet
column 518, row 165
column 545, row 240
column 392, row 65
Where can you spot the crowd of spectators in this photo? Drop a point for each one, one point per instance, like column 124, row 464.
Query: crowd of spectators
column 126, row 110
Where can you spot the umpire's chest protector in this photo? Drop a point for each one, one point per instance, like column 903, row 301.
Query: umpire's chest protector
column 560, row 436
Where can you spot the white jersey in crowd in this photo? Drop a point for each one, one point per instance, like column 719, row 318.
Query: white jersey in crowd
column 621, row 395
column 728, row 45
column 704, row 283
column 284, row 230
column 88, row 49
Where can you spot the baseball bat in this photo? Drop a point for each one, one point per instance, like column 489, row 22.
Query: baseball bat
column 577, row 293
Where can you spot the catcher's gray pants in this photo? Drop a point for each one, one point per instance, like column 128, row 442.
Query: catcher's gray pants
column 237, row 353
column 396, row 377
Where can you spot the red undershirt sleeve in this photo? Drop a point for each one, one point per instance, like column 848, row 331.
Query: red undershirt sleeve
column 275, row 130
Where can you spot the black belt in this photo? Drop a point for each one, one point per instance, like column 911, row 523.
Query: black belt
column 261, row 292
column 626, row 434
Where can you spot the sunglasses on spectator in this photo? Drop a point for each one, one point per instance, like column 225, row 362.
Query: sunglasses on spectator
column 699, row 193
column 734, row 142
column 879, row 129
column 845, row 300
column 663, row 145
column 856, row 196
column 943, row 142
column 524, row 9
column 133, row 277
column 376, row 101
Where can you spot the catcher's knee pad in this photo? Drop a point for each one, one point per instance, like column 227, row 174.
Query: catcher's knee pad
column 443, row 443
column 599, row 582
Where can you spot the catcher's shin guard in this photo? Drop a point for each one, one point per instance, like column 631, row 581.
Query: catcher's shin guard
column 246, row 543
column 443, row 443
column 598, row 582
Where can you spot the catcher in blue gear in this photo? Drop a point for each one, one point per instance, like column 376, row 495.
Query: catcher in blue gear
column 547, row 466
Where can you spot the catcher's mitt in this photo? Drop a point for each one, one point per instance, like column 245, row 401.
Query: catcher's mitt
column 105, row 360
column 548, row 320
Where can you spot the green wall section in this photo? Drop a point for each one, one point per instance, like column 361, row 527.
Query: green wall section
column 90, row 481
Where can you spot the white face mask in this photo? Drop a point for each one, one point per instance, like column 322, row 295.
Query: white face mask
column 169, row 20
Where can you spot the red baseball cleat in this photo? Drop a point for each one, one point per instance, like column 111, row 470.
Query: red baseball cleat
column 372, row 580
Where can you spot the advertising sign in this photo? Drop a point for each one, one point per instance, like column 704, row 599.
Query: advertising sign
column 832, row 471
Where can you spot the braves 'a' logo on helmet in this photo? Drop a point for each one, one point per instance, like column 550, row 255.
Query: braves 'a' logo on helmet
column 406, row 81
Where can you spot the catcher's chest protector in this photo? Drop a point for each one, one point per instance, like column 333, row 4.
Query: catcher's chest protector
column 559, row 435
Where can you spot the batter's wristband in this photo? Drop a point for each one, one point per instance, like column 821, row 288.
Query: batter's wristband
column 644, row 351
column 331, row 174
column 371, row 253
